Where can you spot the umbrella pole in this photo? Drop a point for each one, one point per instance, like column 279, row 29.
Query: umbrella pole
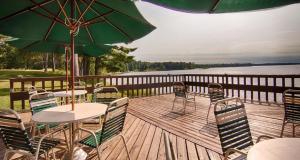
column 72, row 71
column 67, row 74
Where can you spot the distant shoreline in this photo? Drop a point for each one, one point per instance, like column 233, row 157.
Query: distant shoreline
column 169, row 66
column 245, row 65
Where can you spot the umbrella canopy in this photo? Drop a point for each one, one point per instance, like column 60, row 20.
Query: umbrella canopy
column 93, row 21
column 59, row 47
column 220, row 6
column 90, row 21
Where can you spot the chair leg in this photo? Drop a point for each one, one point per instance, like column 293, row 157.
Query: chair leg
column 174, row 103
column 53, row 153
column 98, row 152
column 208, row 113
column 123, row 139
column 282, row 129
column 293, row 129
column 6, row 155
column 66, row 139
column 184, row 105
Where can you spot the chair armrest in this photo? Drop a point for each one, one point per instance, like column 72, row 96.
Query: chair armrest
column 263, row 137
column 232, row 150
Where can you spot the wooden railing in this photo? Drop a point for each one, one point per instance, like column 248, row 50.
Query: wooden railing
column 261, row 88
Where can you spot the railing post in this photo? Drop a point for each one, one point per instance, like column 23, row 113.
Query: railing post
column 11, row 85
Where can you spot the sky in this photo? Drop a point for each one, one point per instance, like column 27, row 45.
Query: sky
column 257, row 37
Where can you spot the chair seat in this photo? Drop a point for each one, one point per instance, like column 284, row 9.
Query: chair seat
column 89, row 141
column 46, row 145
column 41, row 126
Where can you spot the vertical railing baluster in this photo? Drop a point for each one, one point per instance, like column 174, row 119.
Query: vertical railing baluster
column 251, row 89
column 245, row 90
column 132, row 87
column 274, row 87
column 227, row 92
column 128, row 86
column 122, row 84
column 232, row 84
column 259, row 87
column 267, row 93
column 22, row 88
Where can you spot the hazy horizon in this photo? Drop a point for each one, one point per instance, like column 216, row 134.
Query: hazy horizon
column 268, row 36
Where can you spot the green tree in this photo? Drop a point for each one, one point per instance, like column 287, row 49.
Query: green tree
column 117, row 60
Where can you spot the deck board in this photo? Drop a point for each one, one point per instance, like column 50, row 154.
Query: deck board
column 191, row 136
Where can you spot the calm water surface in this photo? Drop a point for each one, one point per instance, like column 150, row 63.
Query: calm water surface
column 276, row 70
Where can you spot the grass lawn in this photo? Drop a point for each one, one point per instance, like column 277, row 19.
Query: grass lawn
column 5, row 75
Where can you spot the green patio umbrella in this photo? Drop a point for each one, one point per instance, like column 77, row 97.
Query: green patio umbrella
column 220, row 6
column 91, row 50
column 91, row 21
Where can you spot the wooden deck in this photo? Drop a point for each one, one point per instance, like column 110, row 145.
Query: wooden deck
column 149, row 117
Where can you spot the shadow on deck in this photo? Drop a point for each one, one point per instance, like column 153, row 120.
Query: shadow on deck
column 193, row 138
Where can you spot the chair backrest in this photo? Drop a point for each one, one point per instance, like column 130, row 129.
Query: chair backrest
column 170, row 153
column 291, row 100
column 32, row 90
column 13, row 133
column 114, row 119
column 215, row 92
column 105, row 94
column 179, row 89
column 41, row 101
column 98, row 85
column 232, row 124
column 79, row 85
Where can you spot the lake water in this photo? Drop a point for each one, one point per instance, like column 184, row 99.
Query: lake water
column 275, row 70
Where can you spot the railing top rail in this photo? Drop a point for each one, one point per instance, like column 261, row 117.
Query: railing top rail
column 154, row 75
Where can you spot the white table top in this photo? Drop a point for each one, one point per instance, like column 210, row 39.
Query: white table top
column 276, row 149
column 64, row 113
column 69, row 93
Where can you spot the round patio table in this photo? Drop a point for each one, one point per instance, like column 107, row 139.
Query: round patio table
column 64, row 95
column 69, row 93
column 275, row 149
column 64, row 114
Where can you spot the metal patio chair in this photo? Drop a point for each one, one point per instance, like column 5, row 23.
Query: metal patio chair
column 216, row 93
column 181, row 92
column 105, row 94
column 233, row 127
column 291, row 101
column 39, row 102
column 112, row 127
column 17, row 140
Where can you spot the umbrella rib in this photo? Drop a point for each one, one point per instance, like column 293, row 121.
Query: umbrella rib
column 86, row 27
column 54, row 22
column 86, row 9
column 91, row 21
column 213, row 8
column 116, row 27
column 49, row 12
column 64, row 12
column 27, row 9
